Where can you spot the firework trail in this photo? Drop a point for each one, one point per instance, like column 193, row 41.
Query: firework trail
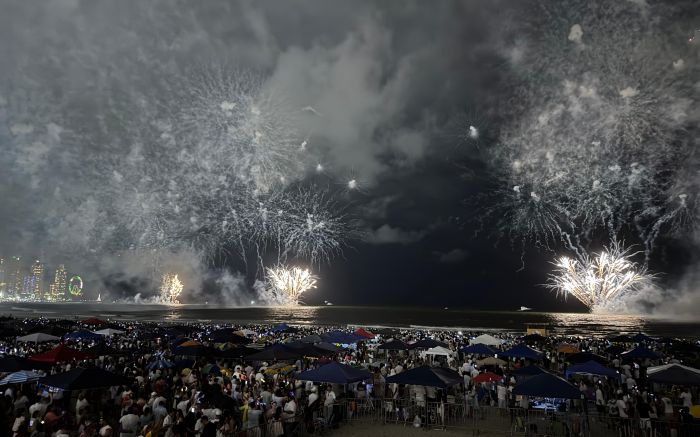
column 604, row 281
column 600, row 113
column 290, row 283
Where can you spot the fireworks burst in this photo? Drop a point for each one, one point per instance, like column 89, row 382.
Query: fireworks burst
column 290, row 283
column 170, row 289
column 601, row 282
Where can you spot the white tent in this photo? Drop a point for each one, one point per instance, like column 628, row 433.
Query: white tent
column 37, row 337
column 109, row 331
column 488, row 340
column 439, row 350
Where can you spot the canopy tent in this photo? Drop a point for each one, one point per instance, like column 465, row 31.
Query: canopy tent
column 51, row 330
column 83, row 379
column 478, row 349
column 20, row 377
column 82, row 335
column 591, row 368
column 93, row 321
column 194, row 351
column 61, row 353
column 101, row 349
column 486, row 377
column 614, row 350
column 362, row 332
column 107, row 332
column 546, row 385
column 340, row 337
column 306, row 349
column 427, row 343
column 394, row 345
column 438, row 351
column 640, row 352
column 488, row 340
column 335, row 373
column 328, row 347
column 524, row 373
column 522, row 351
column 275, row 352
column 13, row 364
column 439, row 377
column 491, row 361
column 583, row 357
column 37, row 337
column 674, row 374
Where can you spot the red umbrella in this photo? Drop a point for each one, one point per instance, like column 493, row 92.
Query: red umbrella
column 486, row 377
column 362, row 332
column 61, row 353
column 93, row 321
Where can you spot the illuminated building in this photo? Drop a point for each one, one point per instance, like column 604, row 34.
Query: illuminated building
column 37, row 275
column 14, row 277
column 57, row 289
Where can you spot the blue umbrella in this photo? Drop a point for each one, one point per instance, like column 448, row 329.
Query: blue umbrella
column 428, row 376
column 546, row 385
column 335, row 373
column 522, row 351
column 640, row 352
column 160, row 364
column 592, row 368
column 82, row 335
column 21, row 377
column 479, row 349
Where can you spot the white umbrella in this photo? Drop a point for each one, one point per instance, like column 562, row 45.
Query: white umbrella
column 109, row 331
column 37, row 337
column 21, row 377
column 488, row 340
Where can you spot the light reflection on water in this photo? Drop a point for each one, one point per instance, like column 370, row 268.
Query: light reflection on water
column 385, row 316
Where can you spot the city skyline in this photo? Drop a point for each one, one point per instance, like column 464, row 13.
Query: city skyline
column 33, row 281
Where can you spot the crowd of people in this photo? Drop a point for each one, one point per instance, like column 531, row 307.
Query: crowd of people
column 216, row 393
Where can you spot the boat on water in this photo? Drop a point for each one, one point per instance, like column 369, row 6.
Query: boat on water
column 525, row 309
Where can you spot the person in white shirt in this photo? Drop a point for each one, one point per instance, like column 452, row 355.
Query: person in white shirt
column 128, row 424
column 687, row 398
column 329, row 401
column 502, row 394
column 621, row 408
column 313, row 396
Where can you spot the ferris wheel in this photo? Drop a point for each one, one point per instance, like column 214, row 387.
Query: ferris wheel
column 75, row 286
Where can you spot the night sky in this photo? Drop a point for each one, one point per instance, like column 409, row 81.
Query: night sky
column 100, row 131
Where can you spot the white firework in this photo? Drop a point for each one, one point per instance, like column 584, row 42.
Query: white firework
column 290, row 283
column 170, row 289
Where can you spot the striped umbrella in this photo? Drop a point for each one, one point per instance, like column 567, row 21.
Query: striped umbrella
column 20, row 377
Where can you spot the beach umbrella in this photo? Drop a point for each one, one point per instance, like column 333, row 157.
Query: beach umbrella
column 335, row 373
column 313, row 338
column 394, row 345
column 160, row 364
column 20, row 377
column 107, row 332
column 37, row 337
column 676, row 374
column 236, row 352
column 592, row 368
column 478, row 349
column 522, row 351
column 488, row 340
column 439, row 377
column 614, row 350
column 639, row 338
column 228, row 335
column 362, row 332
column 640, row 352
column 622, row 339
column 533, row 338
column 283, row 327
column 486, row 377
column 274, row 352
column 546, row 385
column 13, row 364
column 306, row 349
column 567, row 349
column 426, row 343
column 93, row 321
column 83, row 379
column 190, row 343
column 183, row 364
column 101, row 349
column 61, row 353
column 491, row 361
column 583, row 357
column 82, row 335
column 194, row 351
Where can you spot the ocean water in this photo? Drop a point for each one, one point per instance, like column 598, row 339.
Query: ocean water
column 367, row 316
